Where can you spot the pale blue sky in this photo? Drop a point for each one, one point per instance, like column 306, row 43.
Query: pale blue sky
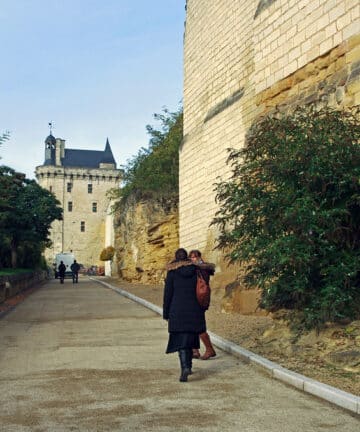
column 95, row 68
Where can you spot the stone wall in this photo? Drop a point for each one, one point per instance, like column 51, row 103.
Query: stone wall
column 241, row 60
column 13, row 284
column 146, row 237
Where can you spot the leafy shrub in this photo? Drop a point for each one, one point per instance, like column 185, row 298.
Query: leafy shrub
column 107, row 254
column 290, row 213
column 153, row 172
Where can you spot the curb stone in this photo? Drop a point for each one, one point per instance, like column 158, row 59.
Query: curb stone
column 323, row 391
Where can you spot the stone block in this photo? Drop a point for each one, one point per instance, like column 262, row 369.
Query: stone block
column 353, row 41
column 353, row 55
column 292, row 378
column 337, row 12
column 332, row 394
column 343, row 21
column 351, row 30
column 267, row 365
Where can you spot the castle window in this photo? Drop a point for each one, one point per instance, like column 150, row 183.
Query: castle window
column 82, row 226
column 94, row 207
column 70, row 206
column 50, row 189
column 89, row 188
column 69, row 187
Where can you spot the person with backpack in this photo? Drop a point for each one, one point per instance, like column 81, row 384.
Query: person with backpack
column 206, row 270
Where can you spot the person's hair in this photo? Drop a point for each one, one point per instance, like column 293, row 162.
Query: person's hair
column 195, row 252
column 181, row 255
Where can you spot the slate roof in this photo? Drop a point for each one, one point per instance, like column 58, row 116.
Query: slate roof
column 107, row 154
column 84, row 158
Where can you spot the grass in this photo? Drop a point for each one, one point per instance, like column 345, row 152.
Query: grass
column 10, row 271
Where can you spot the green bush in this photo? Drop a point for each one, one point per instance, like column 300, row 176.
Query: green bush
column 290, row 213
column 153, row 173
column 107, row 254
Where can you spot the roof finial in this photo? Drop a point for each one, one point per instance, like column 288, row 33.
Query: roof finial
column 50, row 127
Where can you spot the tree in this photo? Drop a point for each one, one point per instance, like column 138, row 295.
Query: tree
column 26, row 212
column 290, row 213
column 5, row 136
column 153, row 172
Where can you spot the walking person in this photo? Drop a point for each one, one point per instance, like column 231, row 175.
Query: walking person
column 75, row 267
column 61, row 270
column 207, row 270
column 186, row 319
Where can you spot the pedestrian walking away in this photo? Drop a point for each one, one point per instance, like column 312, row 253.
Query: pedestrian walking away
column 206, row 270
column 186, row 318
column 61, row 270
column 75, row 267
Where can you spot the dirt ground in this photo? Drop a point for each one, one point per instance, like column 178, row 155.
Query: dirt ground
column 331, row 357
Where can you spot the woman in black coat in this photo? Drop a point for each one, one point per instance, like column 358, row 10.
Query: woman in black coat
column 186, row 319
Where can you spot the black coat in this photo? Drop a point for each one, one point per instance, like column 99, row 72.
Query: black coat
column 180, row 305
column 62, row 269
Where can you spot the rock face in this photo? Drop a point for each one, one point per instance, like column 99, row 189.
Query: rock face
column 146, row 237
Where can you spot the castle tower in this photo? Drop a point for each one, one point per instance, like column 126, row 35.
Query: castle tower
column 80, row 180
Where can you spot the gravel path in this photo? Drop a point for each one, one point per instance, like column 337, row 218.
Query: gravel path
column 248, row 331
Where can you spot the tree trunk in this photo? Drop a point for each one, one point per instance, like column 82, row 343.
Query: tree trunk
column 13, row 247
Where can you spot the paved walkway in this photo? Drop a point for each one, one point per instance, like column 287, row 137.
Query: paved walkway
column 83, row 358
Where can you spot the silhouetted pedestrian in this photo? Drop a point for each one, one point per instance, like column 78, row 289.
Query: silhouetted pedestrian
column 61, row 270
column 75, row 267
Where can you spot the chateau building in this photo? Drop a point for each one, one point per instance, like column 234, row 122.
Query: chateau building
column 80, row 180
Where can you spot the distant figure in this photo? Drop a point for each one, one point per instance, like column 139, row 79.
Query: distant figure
column 61, row 270
column 75, row 267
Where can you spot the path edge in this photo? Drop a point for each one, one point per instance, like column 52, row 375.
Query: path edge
column 331, row 394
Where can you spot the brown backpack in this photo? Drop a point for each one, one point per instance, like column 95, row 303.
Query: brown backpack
column 202, row 291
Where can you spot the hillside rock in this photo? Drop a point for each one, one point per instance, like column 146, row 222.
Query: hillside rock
column 146, row 237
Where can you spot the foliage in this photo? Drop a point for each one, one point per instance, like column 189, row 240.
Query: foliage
column 10, row 272
column 3, row 137
column 153, row 172
column 26, row 213
column 107, row 254
column 291, row 213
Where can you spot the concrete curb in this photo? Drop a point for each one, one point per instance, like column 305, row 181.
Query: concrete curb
column 301, row 382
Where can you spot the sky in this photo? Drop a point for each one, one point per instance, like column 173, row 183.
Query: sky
column 96, row 69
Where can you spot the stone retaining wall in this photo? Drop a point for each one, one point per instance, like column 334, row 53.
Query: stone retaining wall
column 242, row 60
column 12, row 285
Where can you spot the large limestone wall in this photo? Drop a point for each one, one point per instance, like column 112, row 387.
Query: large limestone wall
column 241, row 59
column 146, row 237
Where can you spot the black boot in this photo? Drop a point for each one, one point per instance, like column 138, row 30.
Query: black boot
column 185, row 355
column 189, row 354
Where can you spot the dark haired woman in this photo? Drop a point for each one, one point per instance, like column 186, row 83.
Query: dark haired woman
column 185, row 317
column 206, row 270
